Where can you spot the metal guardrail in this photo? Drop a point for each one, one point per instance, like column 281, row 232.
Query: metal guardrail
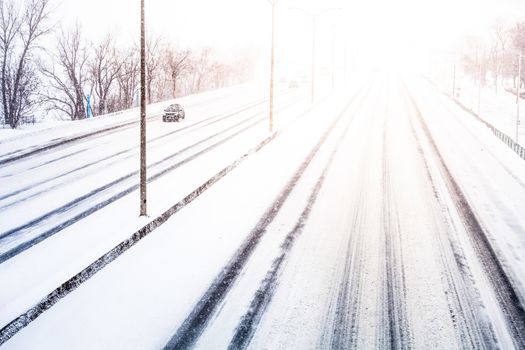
column 516, row 147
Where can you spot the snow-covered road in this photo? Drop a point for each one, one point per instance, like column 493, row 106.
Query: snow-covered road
column 383, row 217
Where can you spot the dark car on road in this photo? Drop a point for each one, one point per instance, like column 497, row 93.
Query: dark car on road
column 173, row 113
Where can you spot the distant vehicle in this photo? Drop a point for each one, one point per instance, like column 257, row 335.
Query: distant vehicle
column 293, row 84
column 173, row 113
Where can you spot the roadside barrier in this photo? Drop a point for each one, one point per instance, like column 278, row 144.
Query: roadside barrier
column 516, row 147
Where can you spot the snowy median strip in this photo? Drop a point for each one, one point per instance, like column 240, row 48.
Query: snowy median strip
column 70, row 285
column 516, row 147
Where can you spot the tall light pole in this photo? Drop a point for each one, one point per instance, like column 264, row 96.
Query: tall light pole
column 313, row 16
column 479, row 85
column 333, row 57
column 454, row 82
column 518, row 93
column 345, row 63
column 143, row 208
column 312, row 85
column 272, row 63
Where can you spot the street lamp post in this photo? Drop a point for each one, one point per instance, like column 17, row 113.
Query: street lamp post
column 272, row 63
column 333, row 57
column 143, row 207
column 454, row 82
column 518, row 93
column 345, row 63
column 313, row 17
column 479, row 84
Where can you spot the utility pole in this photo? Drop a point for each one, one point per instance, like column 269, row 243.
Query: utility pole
column 313, row 17
column 333, row 57
column 479, row 87
column 345, row 63
column 272, row 64
column 454, row 83
column 518, row 96
column 143, row 207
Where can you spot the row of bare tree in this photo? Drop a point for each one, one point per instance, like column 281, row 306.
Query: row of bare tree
column 59, row 80
column 21, row 29
column 496, row 61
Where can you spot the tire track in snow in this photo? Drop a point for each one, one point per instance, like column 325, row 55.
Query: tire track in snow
column 58, row 143
column 193, row 326
column 195, row 127
column 248, row 324
column 73, row 283
column 469, row 130
column 394, row 331
column 19, row 154
column 471, row 330
column 250, row 320
column 345, row 327
column 342, row 331
column 54, row 160
column 507, row 298
column 90, row 196
column 129, row 155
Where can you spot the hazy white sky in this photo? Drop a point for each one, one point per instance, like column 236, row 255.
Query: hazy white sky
column 225, row 22
column 377, row 25
column 191, row 22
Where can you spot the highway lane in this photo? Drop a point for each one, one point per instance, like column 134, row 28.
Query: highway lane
column 371, row 222
column 36, row 270
column 42, row 199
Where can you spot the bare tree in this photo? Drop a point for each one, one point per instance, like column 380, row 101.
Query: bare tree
column 104, row 69
column 200, row 68
column 128, row 78
column 518, row 35
column 497, row 50
column 153, row 63
column 20, row 30
column 220, row 74
column 176, row 63
column 241, row 67
column 68, row 75
column 518, row 40
column 10, row 27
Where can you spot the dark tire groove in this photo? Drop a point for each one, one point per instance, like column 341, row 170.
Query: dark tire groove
column 68, row 206
column 507, row 297
column 193, row 326
column 472, row 331
column 85, row 166
column 345, row 327
column 211, row 120
column 73, row 283
column 246, row 328
column 344, row 333
column 397, row 331
column 59, row 143
column 105, row 130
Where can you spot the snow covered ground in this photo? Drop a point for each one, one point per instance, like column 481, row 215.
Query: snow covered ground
column 497, row 108
column 384, row 216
